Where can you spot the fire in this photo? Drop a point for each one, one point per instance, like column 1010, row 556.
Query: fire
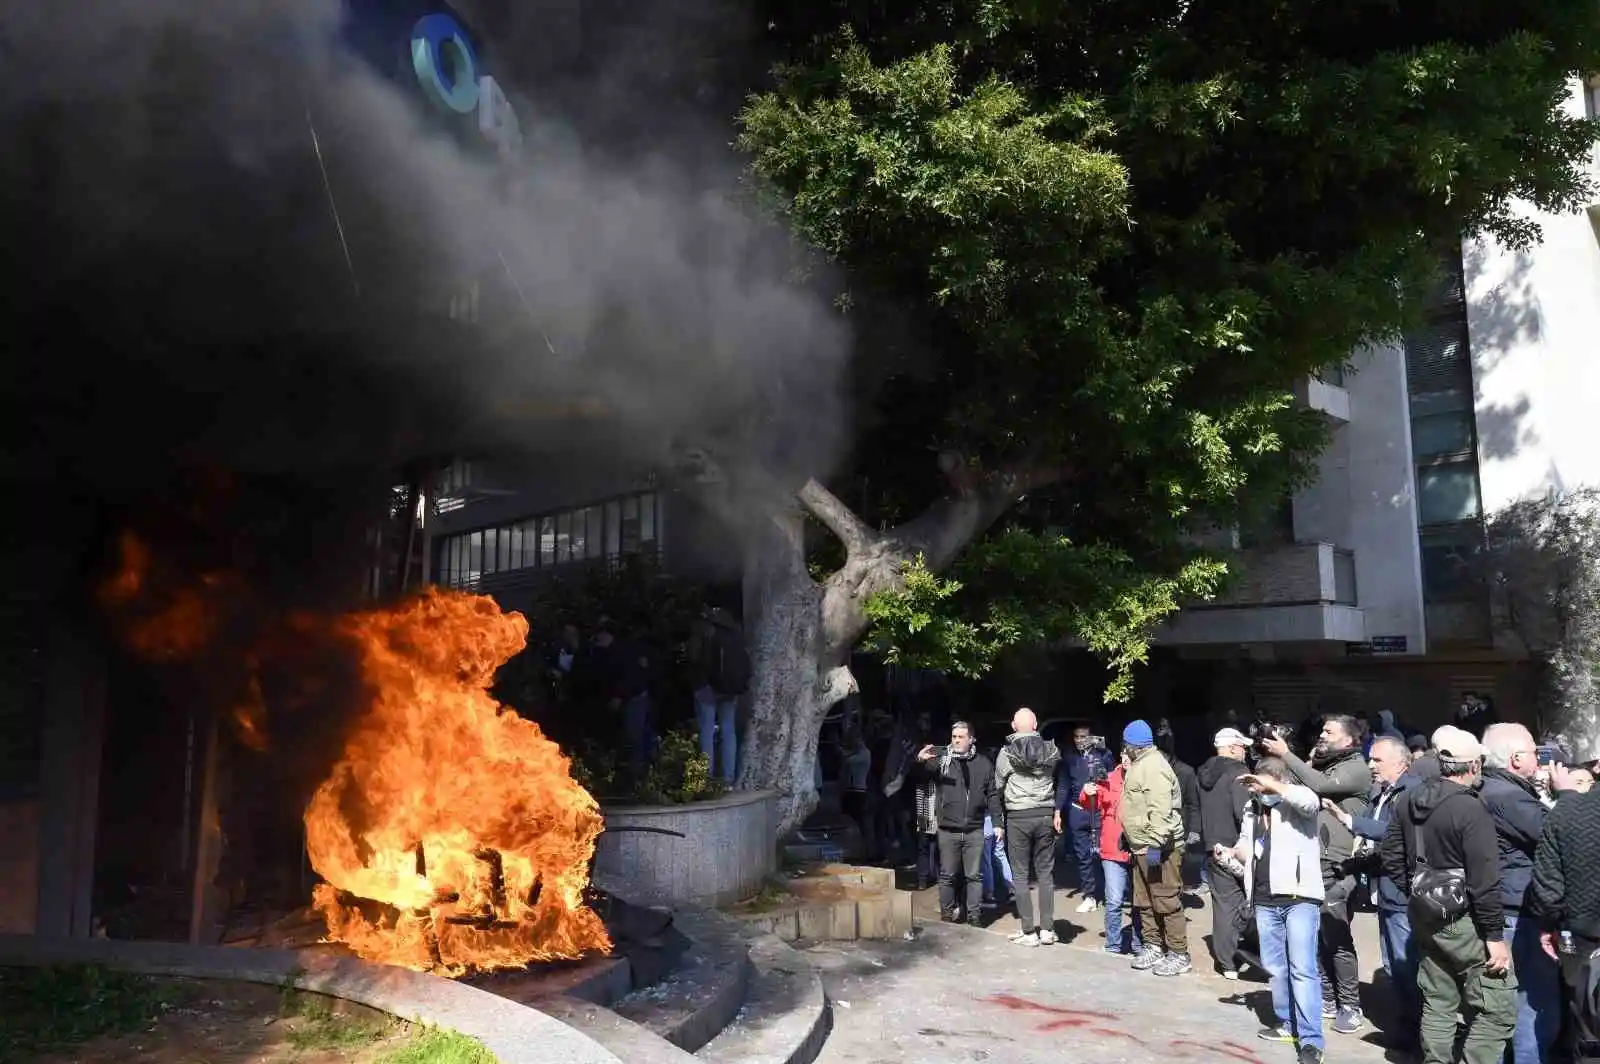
column 454, row 813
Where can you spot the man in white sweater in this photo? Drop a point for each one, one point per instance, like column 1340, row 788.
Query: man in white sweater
column 1281, row 853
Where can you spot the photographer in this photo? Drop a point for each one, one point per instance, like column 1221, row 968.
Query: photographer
column 1338, row 773
column 1091, row 763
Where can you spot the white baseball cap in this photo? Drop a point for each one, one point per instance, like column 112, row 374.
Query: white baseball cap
column 1229, row 737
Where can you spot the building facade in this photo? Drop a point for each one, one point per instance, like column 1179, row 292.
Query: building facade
column 1355, row 598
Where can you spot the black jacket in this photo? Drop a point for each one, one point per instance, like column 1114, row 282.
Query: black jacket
column 1189, row 794
column 1460, row 834
column 1222, row 800
column 1566, row 867
column 1072, row 773
column 1518, row 821
column 1391, row 896
column 966, row 792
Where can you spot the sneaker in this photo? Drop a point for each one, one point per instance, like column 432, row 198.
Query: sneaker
column 1310, row 1055
column 1029, row 939
column 1277, row 1033
column 1047, row 938
column 1231, row 974
column 1112, row 948
column 1349, row 1020
column 1147, row 959
column 1016, row 935
column 1330, row 1010
column 1174, row 964
column 1088, row 905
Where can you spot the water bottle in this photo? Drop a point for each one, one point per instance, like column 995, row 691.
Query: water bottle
column 1567, row 946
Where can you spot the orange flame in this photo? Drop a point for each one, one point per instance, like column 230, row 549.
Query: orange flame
column 455, row 813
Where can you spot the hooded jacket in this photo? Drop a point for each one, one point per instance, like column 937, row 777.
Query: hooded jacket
column 1518, row 822
column 1294, row 865
column 1025, row 772
column 1222, row 800
column 1460, row 834
column 1151, row 802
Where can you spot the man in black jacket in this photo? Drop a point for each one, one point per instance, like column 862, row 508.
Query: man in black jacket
column 1222, row 802
column 965, row 779
column 1510, row 764
column 1443, row 828
column 1565, row 897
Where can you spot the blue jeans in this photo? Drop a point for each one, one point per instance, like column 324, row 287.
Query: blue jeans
column 1289, row 954
column 1400, row 960
column 1538, row 992
column 1118, row 884
column 636, row 730
column 715, row 717
column 995, row 860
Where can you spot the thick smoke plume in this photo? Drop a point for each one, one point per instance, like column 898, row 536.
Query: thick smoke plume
column 224, row 220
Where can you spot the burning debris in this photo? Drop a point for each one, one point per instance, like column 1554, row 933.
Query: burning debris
column 450, row 833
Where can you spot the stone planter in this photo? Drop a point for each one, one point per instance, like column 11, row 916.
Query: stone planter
column 726, row 852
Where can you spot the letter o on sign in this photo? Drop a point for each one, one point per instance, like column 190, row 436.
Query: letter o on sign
column 445, row 64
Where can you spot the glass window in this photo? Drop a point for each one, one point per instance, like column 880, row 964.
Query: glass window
column 1438, row 434
column 491, row 550
column 630, row 525
column 547, row 542
column 1447, row 401
column 1447, row 564
column 1447, row 493
column 647, row 517
column 474, row 569
column 514, row 534
column 504, row 551
column 593, row 537
column 563, row 538
column 613, row 529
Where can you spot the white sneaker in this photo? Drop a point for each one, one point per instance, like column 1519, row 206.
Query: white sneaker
column 1029, row 939
column 1047, row 938
column 1088, row 905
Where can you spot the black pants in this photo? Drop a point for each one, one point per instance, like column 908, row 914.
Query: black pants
column 1583, row 1034
column 1341, row 971
column 961, row 853
column 1031, row 849
column 1227, row 916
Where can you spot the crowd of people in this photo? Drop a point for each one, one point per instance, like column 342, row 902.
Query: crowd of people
column 1480, row 854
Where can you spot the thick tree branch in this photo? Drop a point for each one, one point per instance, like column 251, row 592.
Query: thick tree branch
column 825, row 506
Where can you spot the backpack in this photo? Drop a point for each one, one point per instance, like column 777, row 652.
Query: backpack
column 730, row 664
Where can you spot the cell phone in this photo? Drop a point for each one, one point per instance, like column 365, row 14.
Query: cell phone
column 1548, row 754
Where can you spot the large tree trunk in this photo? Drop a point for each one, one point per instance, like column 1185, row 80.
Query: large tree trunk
column 794, row 679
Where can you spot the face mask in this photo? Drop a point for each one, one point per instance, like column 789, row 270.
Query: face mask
column 1269, row 800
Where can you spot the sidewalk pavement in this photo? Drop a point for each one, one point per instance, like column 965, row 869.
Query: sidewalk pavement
column 958, row 994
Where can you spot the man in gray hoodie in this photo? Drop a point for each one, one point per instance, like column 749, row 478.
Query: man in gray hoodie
column 1025, row 775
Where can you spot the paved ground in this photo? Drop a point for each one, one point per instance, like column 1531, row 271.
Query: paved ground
column 956, row 994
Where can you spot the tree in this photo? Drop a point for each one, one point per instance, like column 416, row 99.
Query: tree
column 1088, row 248
column 1541, row 563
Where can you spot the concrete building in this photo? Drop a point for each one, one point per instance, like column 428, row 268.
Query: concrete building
column 1355, row 598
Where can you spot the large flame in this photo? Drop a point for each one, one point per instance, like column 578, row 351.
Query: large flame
column 456, row 814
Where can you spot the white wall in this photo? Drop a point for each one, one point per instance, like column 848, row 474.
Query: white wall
column 1534, row 322
column 1364, row 498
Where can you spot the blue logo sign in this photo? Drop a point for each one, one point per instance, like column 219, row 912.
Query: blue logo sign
column 445, row 62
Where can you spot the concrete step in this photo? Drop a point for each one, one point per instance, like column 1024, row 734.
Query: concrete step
column 831, row 901
column 785, row 1018
column 701, row 995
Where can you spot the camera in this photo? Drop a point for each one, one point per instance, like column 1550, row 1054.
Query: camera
column 1262, row 730
column 1097, row 772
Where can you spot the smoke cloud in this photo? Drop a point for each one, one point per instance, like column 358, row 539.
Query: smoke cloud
column 227, row 219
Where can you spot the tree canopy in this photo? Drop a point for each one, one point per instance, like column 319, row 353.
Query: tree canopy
column 1089, row 247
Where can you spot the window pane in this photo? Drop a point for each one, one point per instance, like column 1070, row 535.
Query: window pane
column 458, row 559
column 647, row 517
column 563, row 538
column 474, row 557
column 505, row 551
column 613, row 529
column 1448, row 401
column 1439, row 434
column 491, row 550
column 1446, row 572
column 514, row 535
column 592, row 537
column 1447, row 493
column 547, row 541
column 630, row 524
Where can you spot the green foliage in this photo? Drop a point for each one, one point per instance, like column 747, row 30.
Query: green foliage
column 434, row 1045
column 320, row 1026
column 1117, row 234
column 44, row 1010
column 1033, row 588
column 680, row 772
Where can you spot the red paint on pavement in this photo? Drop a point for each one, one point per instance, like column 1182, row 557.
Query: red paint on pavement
column 1231, row 1050
column 1078, row 1017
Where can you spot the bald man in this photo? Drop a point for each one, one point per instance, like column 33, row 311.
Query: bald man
column 1025, row 774
column 1510, row 763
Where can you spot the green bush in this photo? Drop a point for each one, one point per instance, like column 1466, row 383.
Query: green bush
column 680, row 772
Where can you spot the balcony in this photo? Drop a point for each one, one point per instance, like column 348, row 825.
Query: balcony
column 1305, row 592
column 1326, row 394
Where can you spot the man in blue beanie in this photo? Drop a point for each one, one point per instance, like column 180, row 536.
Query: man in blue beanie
column 1152, row 821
